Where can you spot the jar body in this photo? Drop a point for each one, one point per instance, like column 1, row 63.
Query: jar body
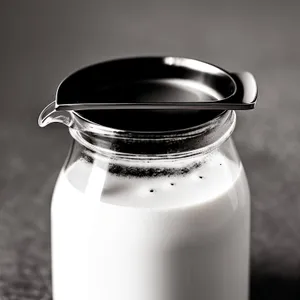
column 171, row 230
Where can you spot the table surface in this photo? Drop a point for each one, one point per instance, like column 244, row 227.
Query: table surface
column 43, row 41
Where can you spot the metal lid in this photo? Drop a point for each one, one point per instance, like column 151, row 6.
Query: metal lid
column 147, row 81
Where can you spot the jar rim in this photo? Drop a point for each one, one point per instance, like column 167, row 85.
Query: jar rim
column 90, row 126
column 158, row 145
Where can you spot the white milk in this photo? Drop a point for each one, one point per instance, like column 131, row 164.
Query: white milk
column 167, row 238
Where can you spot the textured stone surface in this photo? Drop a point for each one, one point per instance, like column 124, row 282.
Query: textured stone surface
column 43, row 41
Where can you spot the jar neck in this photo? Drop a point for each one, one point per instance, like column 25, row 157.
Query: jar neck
column 157, row 145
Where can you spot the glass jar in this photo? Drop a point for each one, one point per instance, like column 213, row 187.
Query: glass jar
column 150, row 214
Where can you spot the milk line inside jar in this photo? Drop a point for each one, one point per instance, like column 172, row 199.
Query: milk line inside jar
column 125, row 188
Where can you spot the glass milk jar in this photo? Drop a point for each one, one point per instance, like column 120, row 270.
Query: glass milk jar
column 150, row 204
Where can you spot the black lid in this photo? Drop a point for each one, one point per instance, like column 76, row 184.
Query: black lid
column 148, row 80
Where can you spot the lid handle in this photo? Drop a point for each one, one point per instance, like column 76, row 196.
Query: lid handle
column 246, row 90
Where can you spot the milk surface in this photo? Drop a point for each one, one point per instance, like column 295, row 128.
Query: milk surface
column 183, row 237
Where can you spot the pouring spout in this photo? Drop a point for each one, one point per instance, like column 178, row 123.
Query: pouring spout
column 51, row 115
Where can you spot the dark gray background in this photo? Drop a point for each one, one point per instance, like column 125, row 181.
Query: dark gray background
column 43, row 41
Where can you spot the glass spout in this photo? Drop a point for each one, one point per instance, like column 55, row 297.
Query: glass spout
column 51, row 115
